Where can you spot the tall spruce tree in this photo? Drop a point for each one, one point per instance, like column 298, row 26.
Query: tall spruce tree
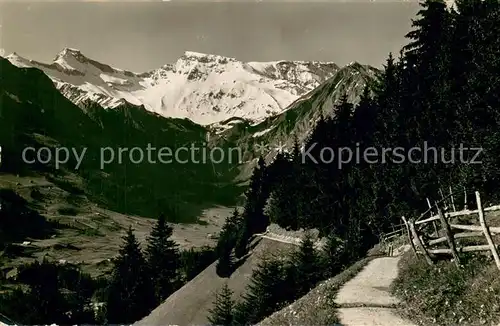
column 131, row 294
column 308, row 265
column 334, row 255
column 225, row 262
column 254, row 220
column 162, row 255
column 243, row 238
column 222, row 312
column 256, row 199
column 282, row 207
column 227, row 241
column 264, row 294
column 229, row 232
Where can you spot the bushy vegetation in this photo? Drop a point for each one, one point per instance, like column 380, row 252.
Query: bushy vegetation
column 446, row 295
column 18, row 221
column 193, row 261
column 318, row 306
column 48, row 292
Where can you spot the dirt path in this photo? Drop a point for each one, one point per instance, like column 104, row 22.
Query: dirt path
column 276, row 238
column 366, row 299
column 283, row 239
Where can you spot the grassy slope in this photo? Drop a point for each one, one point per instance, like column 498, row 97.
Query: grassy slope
column 84, row 234
column 190, row 305
column 445, row 295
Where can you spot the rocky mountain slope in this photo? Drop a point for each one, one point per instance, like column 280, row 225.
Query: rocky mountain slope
column 277, row 133
column 204, row 88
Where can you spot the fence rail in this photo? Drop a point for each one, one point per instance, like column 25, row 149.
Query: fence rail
column 386, row 238
column 423, row 241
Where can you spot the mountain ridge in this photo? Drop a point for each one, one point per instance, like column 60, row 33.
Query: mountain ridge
column 276, row 130
column 205, row 88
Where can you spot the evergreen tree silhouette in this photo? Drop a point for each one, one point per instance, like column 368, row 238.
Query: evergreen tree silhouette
column 264, row 294
column 308, row 266
column 131, row 293
column 222, row 312
column 334, row 255
column 254, row 220
column 163, row 259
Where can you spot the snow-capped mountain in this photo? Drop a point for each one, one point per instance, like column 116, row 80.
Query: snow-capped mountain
column 204, row 88
column 279, row 132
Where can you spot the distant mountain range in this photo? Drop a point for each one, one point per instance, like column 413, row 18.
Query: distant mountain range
column 204, row 88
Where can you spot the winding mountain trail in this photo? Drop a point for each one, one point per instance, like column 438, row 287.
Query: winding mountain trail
column 366, row 299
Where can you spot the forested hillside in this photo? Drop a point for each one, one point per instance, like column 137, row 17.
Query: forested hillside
column 432, row 122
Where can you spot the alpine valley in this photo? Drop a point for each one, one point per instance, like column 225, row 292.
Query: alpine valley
column 201, row 100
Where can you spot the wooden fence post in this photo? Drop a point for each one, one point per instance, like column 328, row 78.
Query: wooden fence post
column 409, row 235
column 419, row 243
column 465, row 199
column 433, row 222
column 486, row 231
column 443, row 199
column 449, row 236
column 452, row 200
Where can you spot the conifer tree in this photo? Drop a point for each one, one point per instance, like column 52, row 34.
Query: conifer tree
column 257, row 195
column 225, row 262
column 282, row 208
column 243, row 238
column 308, row 265
column 334, row 255
column 163, row 259
column 222, row 312
column 253, row 218
column 130, row 292
column 229, row 232
column 264, row 294
column 227, row 241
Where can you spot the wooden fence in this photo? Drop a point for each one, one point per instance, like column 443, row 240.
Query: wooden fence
column 386, row 239
column 426, row 234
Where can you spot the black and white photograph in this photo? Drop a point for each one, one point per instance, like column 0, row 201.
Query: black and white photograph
column 250, row 162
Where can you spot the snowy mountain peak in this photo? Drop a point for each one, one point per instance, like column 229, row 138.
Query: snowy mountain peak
column 18, row 61
column 205, row 88
column 73, row 61
column 192, row 55
column 70, row 53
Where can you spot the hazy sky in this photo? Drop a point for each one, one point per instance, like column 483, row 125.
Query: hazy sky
column 141, row 36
